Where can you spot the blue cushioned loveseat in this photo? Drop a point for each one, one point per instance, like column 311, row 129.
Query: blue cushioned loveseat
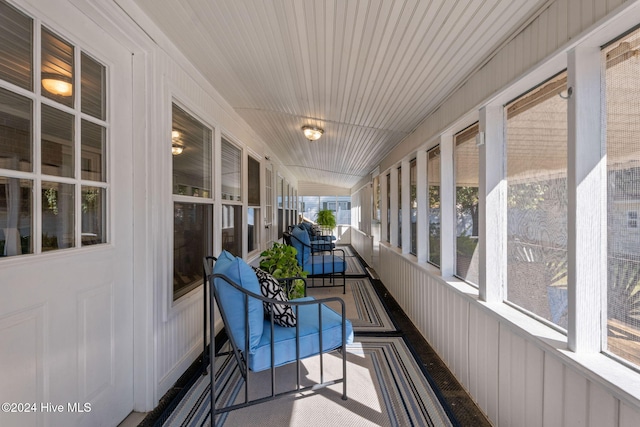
column 325, row 264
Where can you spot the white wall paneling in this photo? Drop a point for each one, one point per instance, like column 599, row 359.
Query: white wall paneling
column 516, row 377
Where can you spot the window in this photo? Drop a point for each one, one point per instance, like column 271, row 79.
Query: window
column 279, row 189
column 340, row 205
column 268, row 203
column 433, row 183
column 231, row 193
column 632, row 219
column 376, row 198
column 389, row 208
column 467, row 161
column 399, row 207
column 68, row 174
column 253, row 212
column 623, row 198
column 192, row 200
column 537, row 201
column 413, row 204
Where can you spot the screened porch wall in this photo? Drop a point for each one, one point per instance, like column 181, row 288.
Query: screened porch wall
column 518, row 370
column 519, row 374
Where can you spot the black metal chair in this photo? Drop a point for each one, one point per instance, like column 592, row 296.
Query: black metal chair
column 258, row 344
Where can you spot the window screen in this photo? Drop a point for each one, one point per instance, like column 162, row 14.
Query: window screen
column 467, row 161
column 537, row 201
column 622, row 91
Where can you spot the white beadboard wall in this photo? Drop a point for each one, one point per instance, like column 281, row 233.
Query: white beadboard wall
column 515, row 379
column 554, row 29
column 178, row 327
column 363, row 244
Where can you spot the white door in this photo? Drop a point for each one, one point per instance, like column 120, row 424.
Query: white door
column 66, row 315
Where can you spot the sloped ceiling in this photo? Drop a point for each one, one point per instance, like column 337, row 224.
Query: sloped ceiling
column 366, row 71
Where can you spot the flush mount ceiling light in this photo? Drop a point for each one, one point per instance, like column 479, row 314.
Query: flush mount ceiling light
column 57, row 84
column 312, row 133
column 176, row 144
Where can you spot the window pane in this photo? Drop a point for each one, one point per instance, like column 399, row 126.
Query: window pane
column 232, row 229
column 16, row 43
column 413, row 204
column 192, row 164
column 623, row 201
column 191, row 242
column 388, row 207
column 93, row 215
column 467, row 161
column 253, row 173
column 280, row 183
column 253, row 229
column 57, row 142
column 433, row 180
column 537, row 202
column 231, row 171
column 16, row 223
column 343, row 211
column 376, row 198
column 58, row 230
column 399, row 207
column 57, row 69
column 15, row 132
column 93, row 151
column 93, row 87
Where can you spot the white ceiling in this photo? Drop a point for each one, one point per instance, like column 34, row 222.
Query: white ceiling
column 367, row 71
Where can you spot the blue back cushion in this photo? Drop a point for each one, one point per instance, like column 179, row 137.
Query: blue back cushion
column 307, row 227
column 304, row 248
column 232, row 300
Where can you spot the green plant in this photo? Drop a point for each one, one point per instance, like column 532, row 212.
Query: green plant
column 280, row 261
column 326, row 219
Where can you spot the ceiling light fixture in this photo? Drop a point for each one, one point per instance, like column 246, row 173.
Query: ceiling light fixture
column 57, row 84
column 176, row 144
column 312, row 133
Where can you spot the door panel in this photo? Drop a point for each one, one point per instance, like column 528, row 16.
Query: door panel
column 66, row 317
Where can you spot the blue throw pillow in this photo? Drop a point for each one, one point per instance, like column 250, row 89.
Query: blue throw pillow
column 233, row 302
column 302, row 245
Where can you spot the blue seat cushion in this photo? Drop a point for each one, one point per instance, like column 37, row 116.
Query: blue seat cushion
column 285, row 338
column 300, row 241
column 233, row 302
column 325, row 264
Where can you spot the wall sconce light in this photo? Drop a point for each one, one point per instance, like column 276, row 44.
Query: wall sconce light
column 176, row 145
column 312, row 133
column 57, row 84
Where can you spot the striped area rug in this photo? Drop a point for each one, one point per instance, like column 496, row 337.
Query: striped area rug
column 364, row 309
column 385, row 387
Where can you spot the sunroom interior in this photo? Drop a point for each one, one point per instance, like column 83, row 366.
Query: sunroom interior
column 482, row 159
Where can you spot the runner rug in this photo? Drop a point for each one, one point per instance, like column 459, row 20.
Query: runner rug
column 385, row 387
column 364, row 309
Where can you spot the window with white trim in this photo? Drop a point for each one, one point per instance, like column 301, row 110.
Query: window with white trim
column 53, row 181
column 192, row 166
column 537, row 259
column 433, row 184
column 467, row 178
column 253, row 210
column 232, row 198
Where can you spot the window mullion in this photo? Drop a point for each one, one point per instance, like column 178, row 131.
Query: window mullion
column 447, row 207
column 493, row 206
column 587, row 197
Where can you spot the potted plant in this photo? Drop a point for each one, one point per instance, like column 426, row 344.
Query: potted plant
column 280, row 261
column 326, row 220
